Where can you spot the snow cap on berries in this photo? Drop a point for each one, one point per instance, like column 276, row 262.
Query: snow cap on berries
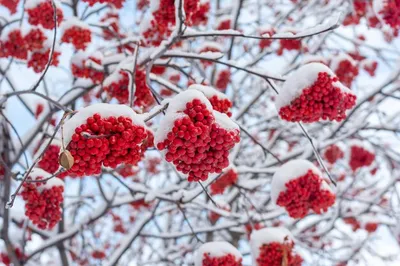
column 266, row 236
column 218, row 253
column 312, row 93
column 299, row 186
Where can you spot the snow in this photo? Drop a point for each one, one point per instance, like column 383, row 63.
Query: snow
column 78, row 59
column 105, row 110
column 290, row 171
column 208, row 91
column 175, row 110
column 309, row 58
column 115, row 77
column 377, row 7
column 224, row 121
column 266, row 236
column 335, row 61
column 30, row 4
column 301, row 79
column 40, row 173
column 215, row 249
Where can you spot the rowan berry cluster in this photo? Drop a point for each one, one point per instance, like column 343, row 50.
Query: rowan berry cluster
column 224, row 181
column 79, row 37
column 274, row 253
column 42, row 203
column 222, row 80
column 360, row 157
column 197, row 145
column 11, row 5
column 333, row 153
column 81, row 68
column 322, row 100
column 346, row 71
column 226, row 260
column 107, row 141
column 43, row 14
column 304, row 193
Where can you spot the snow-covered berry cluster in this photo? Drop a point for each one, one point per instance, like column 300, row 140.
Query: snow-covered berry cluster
column 162, row 18
column 105, row 135
column 226, row 180
column 197, row 139
column 273, row 246
column 77, row 33
column 333, row 153
column 116, row 3
column 223, row 23
column 345, row 69
column 42, row 13
column 289, row 44
column 117, row 86
column 218, row 253
column 389, row 12
column 209, row 47
column 127, row 170
column 43, row 199
column 223, row 77
column 11, row 5
column 313, row 93
column 369, row 66
column 13, row 45
column 38, row 60
column 299, row 187
column 218, row 100
column 361, row 155
column 89, row 67
column 34, row 39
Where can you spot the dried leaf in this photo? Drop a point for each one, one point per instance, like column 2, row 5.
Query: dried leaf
column 66, row 160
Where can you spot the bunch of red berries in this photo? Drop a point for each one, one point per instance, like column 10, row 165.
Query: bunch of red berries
column 222, row 80
column 346, row 70
column 14, row 45
column 39, row 59
column 77, row 34
column 218, row 100
column 224, row 23
column 42, row 13
column 289, row 45
column 43, row 199
column 360, row 155
column 274, row 246
column 117, row 86
column 209, row 47
column 49, row 161
column 370, row 67
column 265, row 43
column 197, row 142
column 11, row 5
column 390, row 13
column 325, row 98
column 35, row 39
column 217, row 254
column 88, row 67
column 4, row 258
column 333, row 153
column 224, row 181
column 355, row 225
column 298, row 193
column 105, row 140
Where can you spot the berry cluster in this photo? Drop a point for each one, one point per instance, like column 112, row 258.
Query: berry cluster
column 164, row 18
column 78, row 36
column 391, row 13
column 43, row 14
column 11, row 5
column 360, row 10
column 116, row 3
column 360, row 157
column 371, row 227
column 197, row 145
column 80, row 68
column 119, row 88
column 322, row 100
column 346, row 71
column 49, row 160
column 42, row 202
column 265, row 43
column 139, row 204
column 34, row 39
column 107, row 142
column 224, row 181
column 221, row 105
column 275, row 253
column 333, row 153
column 288, row 44
column 304, row 193
column 127, row 170
column 14, row 45
column 209, row 47
column 98, row 254
column 226, row 260
column 370, row 67
column 224, row 23
column 222, row 79
column 39, row 59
